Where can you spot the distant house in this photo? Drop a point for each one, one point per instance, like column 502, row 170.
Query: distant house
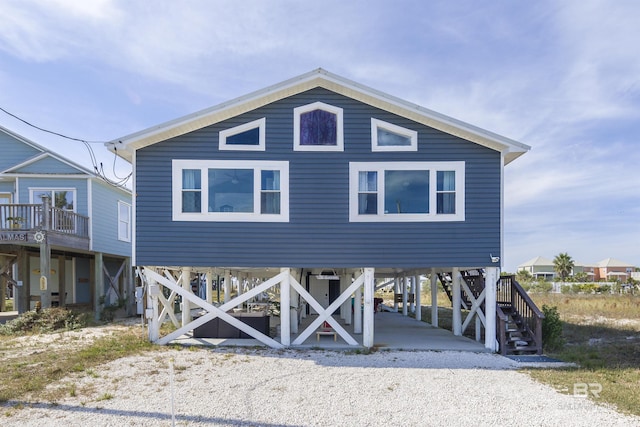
column 587, row 270
column 612, row 269
column 539, row 268
column 65, row 234
column 606, row 270
column 314, row 187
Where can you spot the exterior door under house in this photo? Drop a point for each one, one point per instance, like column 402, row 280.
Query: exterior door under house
column 315, row 174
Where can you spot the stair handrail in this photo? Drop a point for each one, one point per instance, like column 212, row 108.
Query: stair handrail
column 524, row 305
column 502, row 330
column 527, row 298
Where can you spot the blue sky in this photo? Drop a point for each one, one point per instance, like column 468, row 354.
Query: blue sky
column 562, row 77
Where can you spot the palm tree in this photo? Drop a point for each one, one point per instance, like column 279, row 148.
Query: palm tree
column 523, row 276
column 563, row 265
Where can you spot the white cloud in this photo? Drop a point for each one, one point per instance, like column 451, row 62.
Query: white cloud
column 46, row 31
column 563, row 78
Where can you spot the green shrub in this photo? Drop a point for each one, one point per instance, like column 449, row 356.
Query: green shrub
column 46, row 320
column 552, row 339
column 567, row 289
column 541, row 286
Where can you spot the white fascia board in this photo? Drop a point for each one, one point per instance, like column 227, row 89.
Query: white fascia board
column 22, row 139
column 25, row 163
column 45, row 175
column 44, row 155
column 133, row 211
column 126, row 145
column 316, row 78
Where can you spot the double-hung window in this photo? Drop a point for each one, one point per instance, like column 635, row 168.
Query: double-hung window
column 124, row 221
column 230, row 190
column 406, row 191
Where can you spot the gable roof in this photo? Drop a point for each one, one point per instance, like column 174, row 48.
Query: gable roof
column 42, row 155
column 537, row 261
column 126, row 145
column 612, row 262
column 47, row 163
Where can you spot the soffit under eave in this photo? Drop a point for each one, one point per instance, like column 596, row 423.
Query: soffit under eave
column 209, row 117
column 216, row 114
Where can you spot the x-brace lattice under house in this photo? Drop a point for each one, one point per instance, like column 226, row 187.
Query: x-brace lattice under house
column 295, row 202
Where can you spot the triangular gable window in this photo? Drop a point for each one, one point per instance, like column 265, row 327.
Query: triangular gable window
column 389, row 137
column 247, row 137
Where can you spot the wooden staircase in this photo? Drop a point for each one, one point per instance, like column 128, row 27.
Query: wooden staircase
column 474, row 279
column 518, row 319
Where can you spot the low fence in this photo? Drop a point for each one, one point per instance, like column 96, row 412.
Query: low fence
column 593, row 287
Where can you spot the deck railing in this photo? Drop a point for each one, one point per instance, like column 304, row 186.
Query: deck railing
column 28, row 217
column 511, row 294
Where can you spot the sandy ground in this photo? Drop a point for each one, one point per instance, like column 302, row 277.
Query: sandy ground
column 263, row 387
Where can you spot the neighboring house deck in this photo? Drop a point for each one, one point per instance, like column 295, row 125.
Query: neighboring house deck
column 316, row 190
column 65, row 234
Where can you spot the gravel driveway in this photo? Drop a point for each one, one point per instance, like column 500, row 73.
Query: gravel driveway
column 261, row 387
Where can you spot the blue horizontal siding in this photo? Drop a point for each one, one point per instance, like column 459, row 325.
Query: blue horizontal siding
column 49, row 165
column 105, row 219
column 14, row 151
column 80, row 184
column 319, row 232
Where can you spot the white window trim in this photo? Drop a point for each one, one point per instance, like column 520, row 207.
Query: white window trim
column 52, row 190
column 204, row 215
column 126, row 238
column 433, row 167
column 411, row 134
column 317, row 106
column 7, row 195
column 224, row 134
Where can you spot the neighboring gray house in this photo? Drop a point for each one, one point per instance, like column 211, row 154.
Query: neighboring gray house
column 82, row 229
column 539, row 268
column 318, row 185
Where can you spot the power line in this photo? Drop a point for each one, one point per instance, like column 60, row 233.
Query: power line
column 49, row 131
column 99, row 171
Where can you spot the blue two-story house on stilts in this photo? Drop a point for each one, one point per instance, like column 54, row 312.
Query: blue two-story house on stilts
column 312, row 191
column 65, row 234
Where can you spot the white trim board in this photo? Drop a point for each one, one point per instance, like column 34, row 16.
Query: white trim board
column 126, row 145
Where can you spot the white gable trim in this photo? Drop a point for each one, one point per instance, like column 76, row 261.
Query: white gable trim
column 14, row 169
column 317, row 78
column 43, row 150
column 22, row 139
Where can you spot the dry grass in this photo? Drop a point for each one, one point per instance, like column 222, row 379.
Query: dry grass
column 592, row 306
column 28, row 376
column 602, row 334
